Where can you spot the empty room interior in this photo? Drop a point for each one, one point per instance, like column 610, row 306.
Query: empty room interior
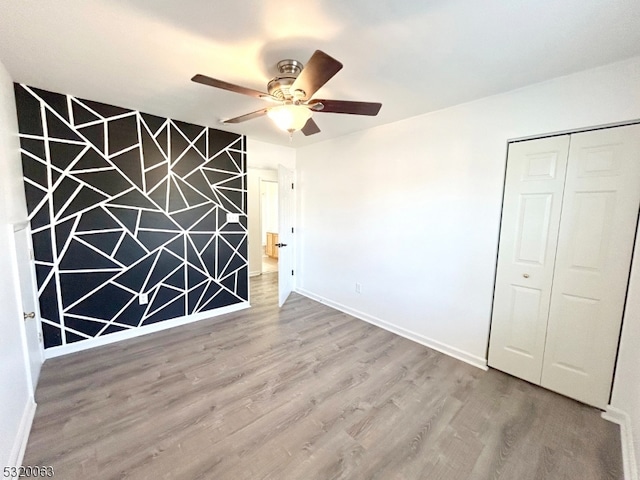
column 320, row 240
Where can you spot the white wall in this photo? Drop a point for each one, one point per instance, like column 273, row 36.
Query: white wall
column 16, row 398
column 262, row 161
column 411, row 210
column 14, row 205
column 269, row 201
column 267, row 156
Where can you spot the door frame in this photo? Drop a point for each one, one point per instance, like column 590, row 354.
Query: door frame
column 262, row 180
column 570, row 132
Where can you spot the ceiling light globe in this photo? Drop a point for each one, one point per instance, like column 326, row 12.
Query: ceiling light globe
column 290, row 117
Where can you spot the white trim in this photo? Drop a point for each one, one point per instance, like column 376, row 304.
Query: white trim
column 454, row 352
column 139, row 331
column 622, row 418
column 256, row 273
column 20, row 442
column 575, row 130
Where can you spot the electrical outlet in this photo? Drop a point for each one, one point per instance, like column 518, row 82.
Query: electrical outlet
column 358, row 288
column 143, row 298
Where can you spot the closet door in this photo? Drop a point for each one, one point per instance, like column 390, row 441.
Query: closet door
column 597, row 231
column 528, row 237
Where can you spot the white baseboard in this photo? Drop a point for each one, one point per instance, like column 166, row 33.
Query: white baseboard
column 137, row 332
column 621, row 417
column 256, row 273
column 20, row 442
column 454, row 352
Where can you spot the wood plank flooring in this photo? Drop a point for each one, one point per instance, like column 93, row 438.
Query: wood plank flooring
column 303, row 393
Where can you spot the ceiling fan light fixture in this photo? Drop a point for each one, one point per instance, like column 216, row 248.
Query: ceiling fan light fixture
column 293, row 91
column 290, row 117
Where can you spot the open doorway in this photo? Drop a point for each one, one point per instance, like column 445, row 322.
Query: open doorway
column 269, row 225
column 270, row 211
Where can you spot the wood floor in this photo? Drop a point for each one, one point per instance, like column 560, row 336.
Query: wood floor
column 269, row 264
column 303, row 393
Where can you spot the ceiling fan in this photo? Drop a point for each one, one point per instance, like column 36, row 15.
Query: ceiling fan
column 293, row 89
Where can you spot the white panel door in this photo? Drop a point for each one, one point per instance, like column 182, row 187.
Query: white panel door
column 285, row 234
column 599, row 215
column 28, row 295
column 528, row 236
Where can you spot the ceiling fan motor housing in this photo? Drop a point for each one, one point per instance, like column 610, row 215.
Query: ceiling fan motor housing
column 279, row 86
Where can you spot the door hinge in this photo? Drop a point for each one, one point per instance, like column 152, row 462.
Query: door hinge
column 291, row 229
column 40, row 337
column 291, row 185
column 291, row 272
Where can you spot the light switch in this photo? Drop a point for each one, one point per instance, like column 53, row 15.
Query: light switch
column 233, row 218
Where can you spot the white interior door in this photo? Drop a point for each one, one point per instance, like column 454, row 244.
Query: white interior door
column 30, row 307
column 528, row 236
column 599, row 215
column 285, row 233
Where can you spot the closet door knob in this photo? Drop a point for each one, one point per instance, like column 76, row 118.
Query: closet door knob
column 525, row 275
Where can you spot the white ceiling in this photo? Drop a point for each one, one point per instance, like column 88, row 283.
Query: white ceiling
column 413, row 56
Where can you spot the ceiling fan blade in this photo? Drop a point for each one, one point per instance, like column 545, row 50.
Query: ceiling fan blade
column 345, row 106
column 318, row 71
column 247, row 116
column 212, row 82
column 310, row 128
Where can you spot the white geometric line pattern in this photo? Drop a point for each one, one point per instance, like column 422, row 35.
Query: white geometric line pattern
column 123, row 203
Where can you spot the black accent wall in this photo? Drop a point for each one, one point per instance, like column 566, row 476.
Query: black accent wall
column 123, row 203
